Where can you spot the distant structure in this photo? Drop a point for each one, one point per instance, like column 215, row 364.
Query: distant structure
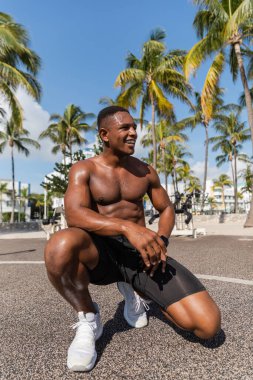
column 216, row 193
column 59, row 202
column 22, row 204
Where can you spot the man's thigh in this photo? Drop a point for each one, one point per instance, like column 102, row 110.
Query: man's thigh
column 107, row 271
column 170, row 287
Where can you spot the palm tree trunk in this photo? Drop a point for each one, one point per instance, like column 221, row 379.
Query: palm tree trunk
column 70, row 151
column 164, row 170
column 173, row 181
column 13, row 187
column 153, row 132
column 205, row 169
column 1, row 208
column 175, row 178
column 235, row 184
column 233, row 175
column 249, row 220
column 223, row 198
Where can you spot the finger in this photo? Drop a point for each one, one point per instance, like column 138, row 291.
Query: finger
column 157, row 249
column 161, row 244
column 163, row 258
column 154, row 259
column 145, row 258
column 154, row 268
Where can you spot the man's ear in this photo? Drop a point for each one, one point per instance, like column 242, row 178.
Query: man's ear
column 103, row 133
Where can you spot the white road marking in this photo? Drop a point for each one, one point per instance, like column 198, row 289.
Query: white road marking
column 225, row 279
column 21, row 262
column 201, row 276
column 245, row 239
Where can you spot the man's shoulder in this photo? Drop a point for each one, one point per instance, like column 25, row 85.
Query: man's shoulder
column 141, row 166
column 137, row 162
column 88, row 162
column 83, row 166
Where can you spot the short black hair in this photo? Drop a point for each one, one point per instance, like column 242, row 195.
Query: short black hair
column 109, row 111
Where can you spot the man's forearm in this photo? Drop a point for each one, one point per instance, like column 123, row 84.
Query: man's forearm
column 166, row 221
column 92, row 221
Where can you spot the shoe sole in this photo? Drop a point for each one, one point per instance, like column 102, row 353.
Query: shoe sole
column 80, row 368
column 125, row 312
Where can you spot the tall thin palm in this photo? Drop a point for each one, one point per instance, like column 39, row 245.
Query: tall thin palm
column 74, row 123
column 175, row 154
column 152, row 78
column 223, row 25
column 203, row 113
column 232, row 133
column 222, row 182
column 165, row 133
column 3, row 190
column 247, row 176
column 13, row 137
column 184, row 174
column 57, row 133
column 15, row 54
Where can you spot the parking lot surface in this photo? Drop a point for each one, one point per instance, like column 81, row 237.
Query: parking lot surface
column 35, row 321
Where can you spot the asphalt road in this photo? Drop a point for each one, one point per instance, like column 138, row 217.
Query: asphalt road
column 35, row 321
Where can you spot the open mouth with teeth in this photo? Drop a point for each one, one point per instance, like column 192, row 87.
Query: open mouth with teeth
column 130, row 142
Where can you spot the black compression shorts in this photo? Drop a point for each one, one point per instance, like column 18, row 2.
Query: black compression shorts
column 120, row 261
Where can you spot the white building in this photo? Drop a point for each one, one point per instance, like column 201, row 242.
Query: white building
column 216, row 194
column 21, row 205
column 59, row 202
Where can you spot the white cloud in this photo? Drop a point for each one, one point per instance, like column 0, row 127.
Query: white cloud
column 35, row 121
column 212, row 171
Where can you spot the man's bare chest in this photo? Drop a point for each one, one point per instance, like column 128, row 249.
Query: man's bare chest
column 108, row 187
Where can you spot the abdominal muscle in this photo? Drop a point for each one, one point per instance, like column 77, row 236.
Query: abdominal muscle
column 132, row 211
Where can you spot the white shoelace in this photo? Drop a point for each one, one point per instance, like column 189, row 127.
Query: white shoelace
column 138, row 302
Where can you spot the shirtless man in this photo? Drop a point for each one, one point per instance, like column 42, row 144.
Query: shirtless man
column 107, row 242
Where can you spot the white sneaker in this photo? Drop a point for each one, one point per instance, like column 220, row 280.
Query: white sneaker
column 82, row 353
column 134, row 309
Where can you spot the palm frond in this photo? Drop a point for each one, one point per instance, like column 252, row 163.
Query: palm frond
column 211, row 84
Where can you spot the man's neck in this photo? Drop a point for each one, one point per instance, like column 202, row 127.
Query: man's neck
column 113, row 160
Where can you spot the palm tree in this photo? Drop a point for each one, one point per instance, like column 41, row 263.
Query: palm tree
column 212, row 203
column 15, row 55
column 195, row 188
column 15, row 138
column 222, row 182
column 175, row 154
column 70, row 125
column 247, row 175
column 165, row 133
column 152, row 78
column 3, row 190
column 232, row 132
column 107, row 101
column 24, row 196
column 208, row 107
column 185, row 174
column 222, row 25
column 57, row 133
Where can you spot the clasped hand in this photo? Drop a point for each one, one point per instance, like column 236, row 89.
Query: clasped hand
column 151, row 247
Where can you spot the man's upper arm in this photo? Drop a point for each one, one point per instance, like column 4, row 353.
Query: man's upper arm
column 78, row 193
column 156, row 192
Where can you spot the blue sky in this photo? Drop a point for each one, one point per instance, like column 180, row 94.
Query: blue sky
column 83, row 45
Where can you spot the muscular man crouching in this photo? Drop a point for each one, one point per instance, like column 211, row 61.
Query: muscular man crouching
column 107, row 242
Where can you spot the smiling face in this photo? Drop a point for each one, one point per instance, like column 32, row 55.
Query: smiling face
column 118, row 133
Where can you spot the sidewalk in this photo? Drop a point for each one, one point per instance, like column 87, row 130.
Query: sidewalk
column 226, row 229
column 23, row 235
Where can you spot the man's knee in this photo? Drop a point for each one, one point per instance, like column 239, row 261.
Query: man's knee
column 197, row 313
column 209, row 325
column 62, row 249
